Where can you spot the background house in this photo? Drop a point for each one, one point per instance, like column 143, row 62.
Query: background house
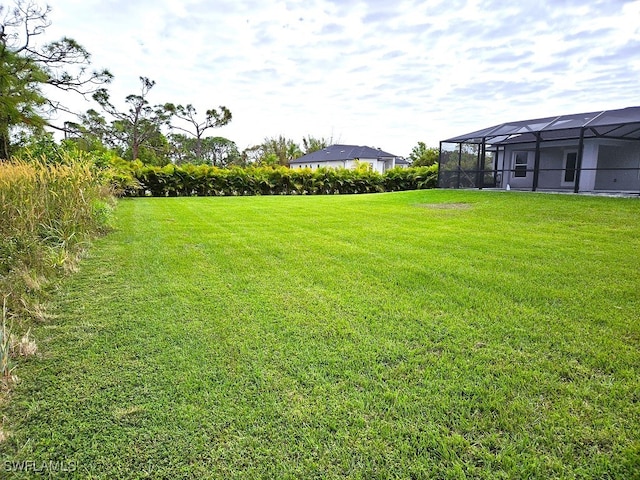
column 349, row 156
column 585, row 152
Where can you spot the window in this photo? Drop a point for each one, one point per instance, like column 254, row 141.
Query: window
column 570, row 162
column 520, row 164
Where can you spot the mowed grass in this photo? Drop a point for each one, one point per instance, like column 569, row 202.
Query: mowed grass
column 428, row 334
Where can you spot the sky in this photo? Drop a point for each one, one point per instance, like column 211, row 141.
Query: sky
column 385, row 74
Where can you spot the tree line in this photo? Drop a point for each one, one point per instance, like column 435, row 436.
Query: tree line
column 155, row 134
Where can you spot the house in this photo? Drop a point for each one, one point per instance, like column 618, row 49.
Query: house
column 584, row 152
column 349, row 156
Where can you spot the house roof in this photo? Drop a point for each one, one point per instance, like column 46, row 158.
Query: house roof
column 343, row 152
column 622, row 124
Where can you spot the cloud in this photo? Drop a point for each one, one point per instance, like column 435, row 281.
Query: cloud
column 620, row 55
column 371, row 71
column 392, row 54
column 331, row 28
column 588, row 35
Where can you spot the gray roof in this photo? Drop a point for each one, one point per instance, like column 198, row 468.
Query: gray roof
column 622, row 124
column 343, row 152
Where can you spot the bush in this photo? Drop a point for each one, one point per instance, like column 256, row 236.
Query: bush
column 415, row 178
column 204, row 180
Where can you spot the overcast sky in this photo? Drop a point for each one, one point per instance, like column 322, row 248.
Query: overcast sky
column 367, row 72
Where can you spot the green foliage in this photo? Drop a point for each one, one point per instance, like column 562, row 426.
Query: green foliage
column 204, row 180
column 136, row 133
column 120, row 176
column 155, row 151
column 196, row 127
column 215, row 151
column 278, row 151
column 312, row 144
column 44, row 148
column 20, row 98
column 414, row 178
column 281, row 150
column 27, row 67
column 423, row 156
column 362, row 166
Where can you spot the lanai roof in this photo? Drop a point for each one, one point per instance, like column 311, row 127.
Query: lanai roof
column 622, row 124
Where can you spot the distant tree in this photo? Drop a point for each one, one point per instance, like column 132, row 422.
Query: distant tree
column 216, row 151
column 26, row 69
column 282, row 148
column 293, row 151
column 311, row 144
column 421, row 155
column 91, row 132
column 213, row 119
column 252, row 155
column 156, row 150
column 139, row 126
column 182, row 148
column 220, row 152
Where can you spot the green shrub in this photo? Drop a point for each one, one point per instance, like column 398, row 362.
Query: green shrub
column 204, row 180
column 415, row 178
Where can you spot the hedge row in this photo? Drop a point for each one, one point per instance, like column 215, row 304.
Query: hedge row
column 203, row 180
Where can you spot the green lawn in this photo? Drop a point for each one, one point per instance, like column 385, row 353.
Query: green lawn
column 429, row 334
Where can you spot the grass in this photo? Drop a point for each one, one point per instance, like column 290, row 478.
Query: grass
column 49, row 212
column 430, row 334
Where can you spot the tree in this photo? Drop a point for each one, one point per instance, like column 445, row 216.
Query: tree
column 216, row 151
column 213, row 119
column 252, row 155
column 27, row 69
column 20, row 101
column 220, row 152
column 181, row 148
column 138, row 127
column 92, row 133
column 279, row 150
column 311, row 144
column 421, row 155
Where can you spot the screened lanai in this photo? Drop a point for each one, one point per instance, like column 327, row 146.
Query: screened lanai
column 585, row 152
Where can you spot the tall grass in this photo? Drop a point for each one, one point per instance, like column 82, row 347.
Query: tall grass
column 48, row 212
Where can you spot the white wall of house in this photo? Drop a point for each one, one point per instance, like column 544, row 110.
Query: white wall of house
column 378, row 165
column 324, row 164
column 553, row 158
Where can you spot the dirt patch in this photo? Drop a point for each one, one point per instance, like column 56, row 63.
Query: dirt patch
column 445, row 206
